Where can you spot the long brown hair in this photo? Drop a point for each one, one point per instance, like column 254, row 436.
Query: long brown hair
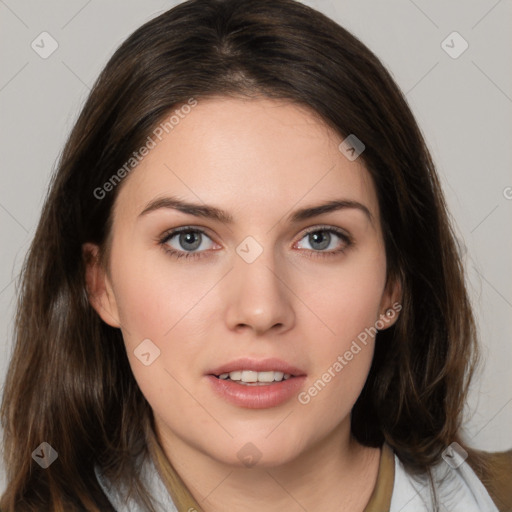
column 69, row 382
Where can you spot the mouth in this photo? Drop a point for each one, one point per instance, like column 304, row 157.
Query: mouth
column 253, row 378
column 252, row 372
column 256, row 384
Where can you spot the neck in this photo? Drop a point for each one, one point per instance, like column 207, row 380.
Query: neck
column 334, row 474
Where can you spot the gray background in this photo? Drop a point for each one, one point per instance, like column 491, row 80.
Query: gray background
column 463, row 106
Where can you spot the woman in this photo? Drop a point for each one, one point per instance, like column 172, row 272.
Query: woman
column 310, row 349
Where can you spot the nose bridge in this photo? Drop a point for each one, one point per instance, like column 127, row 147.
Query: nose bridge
column 258, row 296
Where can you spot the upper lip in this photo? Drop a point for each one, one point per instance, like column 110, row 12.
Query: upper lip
column 257, row 365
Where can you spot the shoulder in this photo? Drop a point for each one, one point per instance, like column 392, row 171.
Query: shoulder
column 461, row 486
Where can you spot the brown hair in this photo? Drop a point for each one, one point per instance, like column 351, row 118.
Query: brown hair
column 69, row 382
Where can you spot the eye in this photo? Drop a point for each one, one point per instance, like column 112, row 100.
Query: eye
column 184, row 242
column 320, row 239
column 189, row 242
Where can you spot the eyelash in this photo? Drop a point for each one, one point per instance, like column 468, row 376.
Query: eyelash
column 188, row 229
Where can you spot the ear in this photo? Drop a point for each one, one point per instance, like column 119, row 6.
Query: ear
column 99, row 289
column 391, row 303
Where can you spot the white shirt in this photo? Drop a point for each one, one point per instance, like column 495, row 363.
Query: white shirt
column 458, row 490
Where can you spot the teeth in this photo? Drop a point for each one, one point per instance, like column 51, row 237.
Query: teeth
column 250, row 376
column 269, row 376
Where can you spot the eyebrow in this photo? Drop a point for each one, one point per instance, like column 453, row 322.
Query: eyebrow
column 213, row 213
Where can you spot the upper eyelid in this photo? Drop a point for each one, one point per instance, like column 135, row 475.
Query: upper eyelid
column 170, row 233
column 337, row 230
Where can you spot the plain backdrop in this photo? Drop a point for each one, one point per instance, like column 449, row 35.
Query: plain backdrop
column 463, row 105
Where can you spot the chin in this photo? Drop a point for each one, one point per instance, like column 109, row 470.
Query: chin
column 257, row 452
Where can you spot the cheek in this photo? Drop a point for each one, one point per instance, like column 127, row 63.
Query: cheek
column 156, row 305
column 348, row 298
column 154, row 297
column 350, row 303
column 165, row 304
column 349, row 307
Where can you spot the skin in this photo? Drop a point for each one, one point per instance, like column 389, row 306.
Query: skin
column 259, row 160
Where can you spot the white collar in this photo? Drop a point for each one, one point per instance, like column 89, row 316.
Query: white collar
column 458, row 490
column 117, row 496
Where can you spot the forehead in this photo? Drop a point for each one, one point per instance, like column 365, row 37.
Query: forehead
column 259, row 157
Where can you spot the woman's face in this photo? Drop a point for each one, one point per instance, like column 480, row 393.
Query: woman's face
column 262, row 281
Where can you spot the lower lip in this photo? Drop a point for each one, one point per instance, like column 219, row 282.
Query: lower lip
column 259, row 396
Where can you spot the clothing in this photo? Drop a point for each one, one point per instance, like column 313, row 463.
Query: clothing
column 396, row 490
column 152, row 481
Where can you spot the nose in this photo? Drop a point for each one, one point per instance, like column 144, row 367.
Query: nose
column 259, row 297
